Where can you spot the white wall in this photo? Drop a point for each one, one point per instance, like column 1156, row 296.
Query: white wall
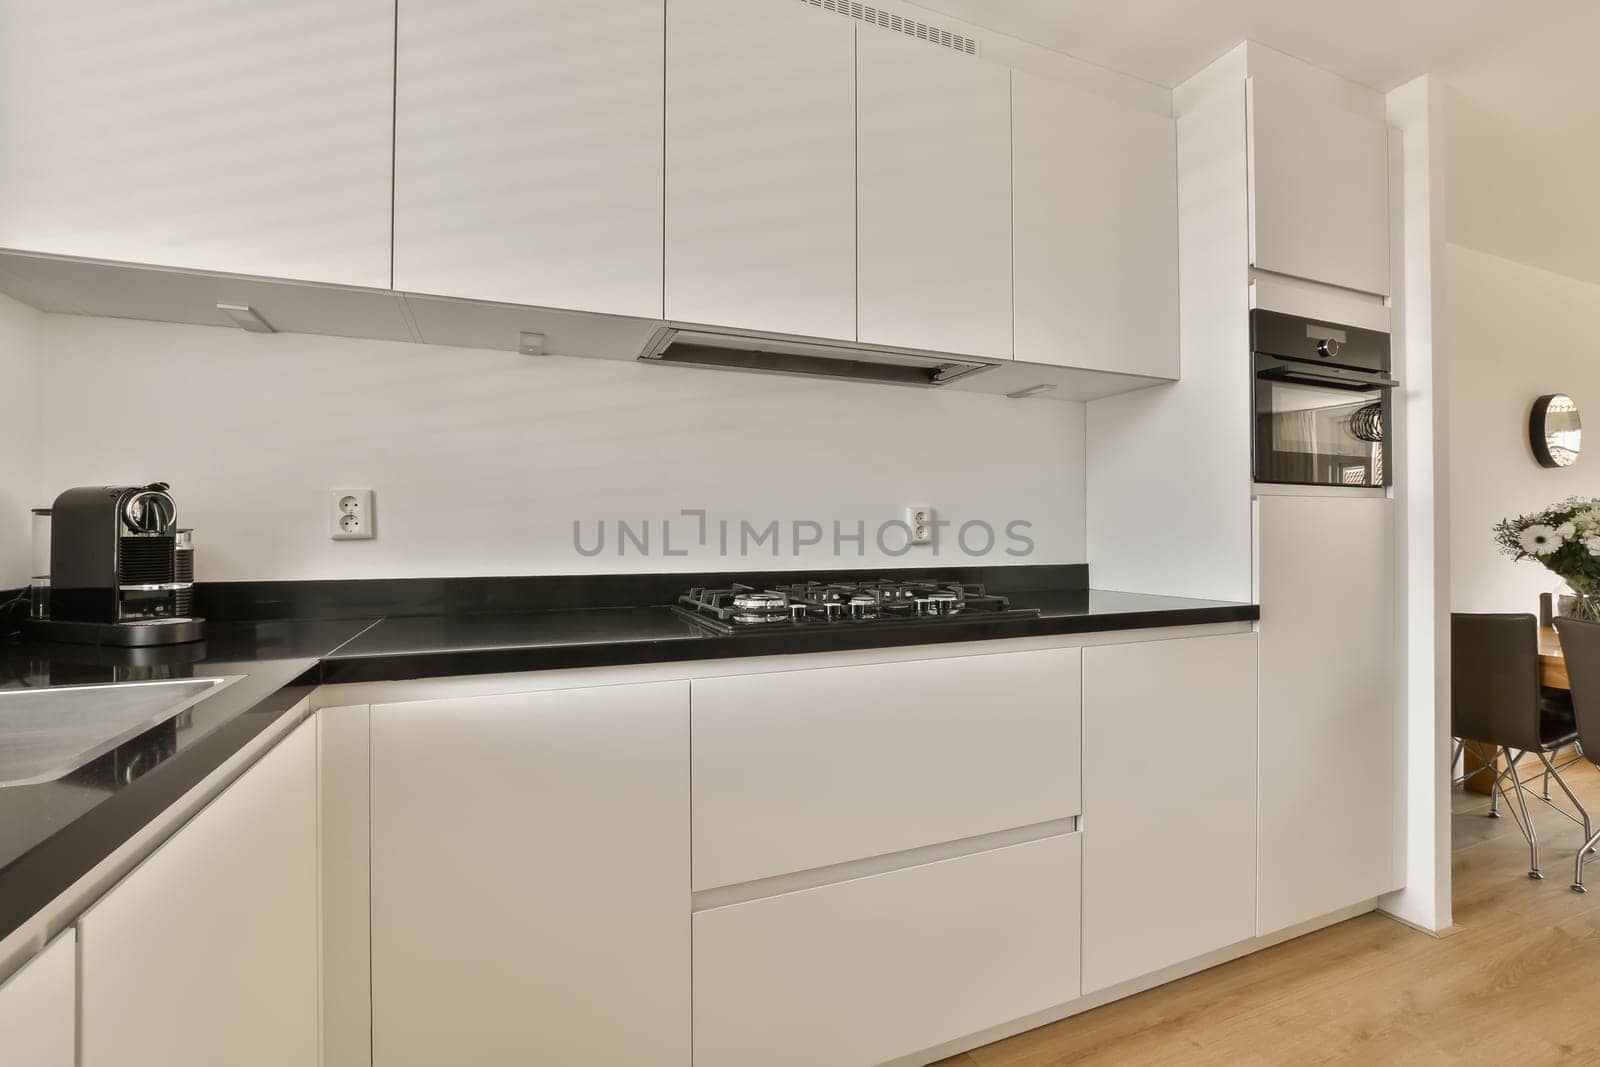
column 1516, row 332
column 19, row 326
column 482, row 460
column 1524, row 283
column 1169, row 466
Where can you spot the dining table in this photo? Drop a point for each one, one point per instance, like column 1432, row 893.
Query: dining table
column 1552, row 664
column 1552, row 675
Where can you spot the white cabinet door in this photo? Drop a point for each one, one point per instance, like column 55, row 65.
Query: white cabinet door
column 864, row 971
column 1319, row 175
column 207, row 952
column 528, row 139
column 1329, row 794
column 1095, row 229
column 1169, row 807
column 804, row 769
column 228, row 135
column 39, row 1008
column 530, row 878
column 761, row 167
column 934, row 197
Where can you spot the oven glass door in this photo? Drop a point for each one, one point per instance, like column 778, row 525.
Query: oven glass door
column 1310, row 432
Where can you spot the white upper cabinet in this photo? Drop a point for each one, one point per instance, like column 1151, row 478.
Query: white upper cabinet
column 229, row 135
column 528, row 144
column 761, row 167
column 1319, row 175
column 934, row 197
column 1095, row 231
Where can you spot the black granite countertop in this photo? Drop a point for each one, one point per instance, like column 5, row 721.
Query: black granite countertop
column 53, row 833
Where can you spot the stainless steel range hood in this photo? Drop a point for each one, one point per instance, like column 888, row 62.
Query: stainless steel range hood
column 674, row 344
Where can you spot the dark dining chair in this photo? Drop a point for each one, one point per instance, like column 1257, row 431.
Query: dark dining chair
column 1580, row 645
column 1496, row 699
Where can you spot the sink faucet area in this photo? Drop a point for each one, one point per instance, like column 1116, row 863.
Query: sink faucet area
column 46, row 734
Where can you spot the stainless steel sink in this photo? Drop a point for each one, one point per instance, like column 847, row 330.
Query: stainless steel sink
column 46, row 734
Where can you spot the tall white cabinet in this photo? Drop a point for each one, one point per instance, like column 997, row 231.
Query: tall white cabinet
column 934, row 197
column 527, row 152
column 1095, row 230
column 207, row 952
column 39, row 1008
column 228, row 135
column 1329, row 792
column 530, row 878
column 761, row 167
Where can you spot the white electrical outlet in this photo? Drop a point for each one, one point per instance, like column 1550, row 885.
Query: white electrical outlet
column 920, row 518
column 350, row 515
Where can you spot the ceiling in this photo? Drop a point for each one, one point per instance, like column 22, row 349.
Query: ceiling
column 1380, row 43
column 1521, row 156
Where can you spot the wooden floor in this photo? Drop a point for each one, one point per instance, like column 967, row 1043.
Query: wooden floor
column 1517, row 982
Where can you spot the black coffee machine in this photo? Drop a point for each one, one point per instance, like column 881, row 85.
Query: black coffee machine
column 121, row 572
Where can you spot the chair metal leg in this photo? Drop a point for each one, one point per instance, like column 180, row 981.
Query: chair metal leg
column 1546, row 776
column 1527, row 820
column 1577, row 866
column 1494, row 786
column 1494, row 782
column 1589, row 835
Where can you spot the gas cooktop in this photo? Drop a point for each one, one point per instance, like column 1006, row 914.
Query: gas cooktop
column 745, row 608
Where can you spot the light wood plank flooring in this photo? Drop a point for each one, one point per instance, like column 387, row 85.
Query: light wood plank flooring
column 1518, row 980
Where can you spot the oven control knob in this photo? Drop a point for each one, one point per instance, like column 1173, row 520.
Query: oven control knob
column 1327, row 348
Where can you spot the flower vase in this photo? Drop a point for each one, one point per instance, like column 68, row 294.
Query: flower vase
column 1574, row 604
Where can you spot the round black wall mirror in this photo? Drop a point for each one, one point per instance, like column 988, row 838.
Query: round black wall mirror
column 1555, row 431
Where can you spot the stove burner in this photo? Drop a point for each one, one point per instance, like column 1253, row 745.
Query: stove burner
column 917, row 601
column 758, row 618
column 763, row 604
column 938, row 604
column 861, row 606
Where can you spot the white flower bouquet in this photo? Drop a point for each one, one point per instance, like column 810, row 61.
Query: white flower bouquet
column 1565, row 537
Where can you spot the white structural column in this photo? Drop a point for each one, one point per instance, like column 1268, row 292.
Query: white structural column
column 1422, row 489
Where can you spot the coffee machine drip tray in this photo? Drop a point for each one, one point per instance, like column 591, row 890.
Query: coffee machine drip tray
column 138, row 633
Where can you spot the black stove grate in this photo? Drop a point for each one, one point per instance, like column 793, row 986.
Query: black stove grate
column 741, row 608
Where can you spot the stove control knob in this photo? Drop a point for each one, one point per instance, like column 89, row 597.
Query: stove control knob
column 1328, row 347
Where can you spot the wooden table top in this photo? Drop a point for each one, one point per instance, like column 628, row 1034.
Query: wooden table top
column 1552, row 663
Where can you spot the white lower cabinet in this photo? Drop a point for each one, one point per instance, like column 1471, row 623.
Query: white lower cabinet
column 1329, row 732
column 207, row 952
column 887, row 965
column 38, row 1009
column 795, row 770
column 530, row 878
column 1169, row 806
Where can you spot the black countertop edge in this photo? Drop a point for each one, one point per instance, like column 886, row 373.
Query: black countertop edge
column 393, row 597
column 39, row 876
column 370, row 666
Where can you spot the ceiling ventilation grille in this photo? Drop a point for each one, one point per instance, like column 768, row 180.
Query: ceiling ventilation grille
column 910, row 27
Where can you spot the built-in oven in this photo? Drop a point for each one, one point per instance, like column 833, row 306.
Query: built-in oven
column 1324, row 408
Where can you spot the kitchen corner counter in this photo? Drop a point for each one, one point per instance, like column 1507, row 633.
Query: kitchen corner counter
column 53, row 833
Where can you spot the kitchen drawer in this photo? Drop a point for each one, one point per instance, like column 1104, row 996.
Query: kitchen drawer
column 803, row 769
column 866, row 970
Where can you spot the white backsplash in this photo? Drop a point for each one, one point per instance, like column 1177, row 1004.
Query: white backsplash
column 482, row 461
